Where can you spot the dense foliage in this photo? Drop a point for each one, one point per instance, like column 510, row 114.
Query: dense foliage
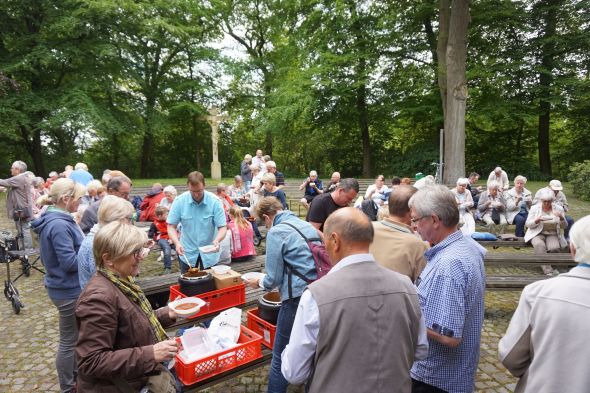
column 579, row 177
column 343, row 85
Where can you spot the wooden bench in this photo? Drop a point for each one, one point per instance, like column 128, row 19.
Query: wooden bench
column 513, row 282
column 520, row 243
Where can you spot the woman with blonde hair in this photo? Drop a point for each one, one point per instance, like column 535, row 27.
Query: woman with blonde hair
column 270, row 188
column 242, row 236
column 122, row 339
column 59, row 240
column 111, row 209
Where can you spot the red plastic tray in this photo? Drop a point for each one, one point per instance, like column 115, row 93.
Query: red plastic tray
column 218, row 300
column 247, row 350
column 258, row 325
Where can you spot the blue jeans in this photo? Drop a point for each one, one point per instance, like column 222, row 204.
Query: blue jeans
column 276, row 382
column 65, row 361
column 519, row 221
column 167, row 250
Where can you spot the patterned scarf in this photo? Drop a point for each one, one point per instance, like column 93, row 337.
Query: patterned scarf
column 136, row 295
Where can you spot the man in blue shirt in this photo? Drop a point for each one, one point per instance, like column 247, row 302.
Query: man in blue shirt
column 81, row 175
column 203, row 224
column 451, row 291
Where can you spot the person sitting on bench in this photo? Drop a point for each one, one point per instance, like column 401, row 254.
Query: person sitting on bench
column 313, row 187
column 544, row 224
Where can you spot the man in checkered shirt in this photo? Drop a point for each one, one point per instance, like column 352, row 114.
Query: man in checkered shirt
column 451, row 291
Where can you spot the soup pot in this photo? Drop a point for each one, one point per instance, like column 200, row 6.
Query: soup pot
column 269, row 306
column 195, row 282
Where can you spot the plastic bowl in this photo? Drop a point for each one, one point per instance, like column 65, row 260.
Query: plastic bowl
column 178, row 308
column 220, row 269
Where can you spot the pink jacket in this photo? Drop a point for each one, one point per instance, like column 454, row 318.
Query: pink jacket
column 242, row 240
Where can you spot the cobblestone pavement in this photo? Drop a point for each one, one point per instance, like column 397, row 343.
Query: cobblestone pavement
column 29, row 340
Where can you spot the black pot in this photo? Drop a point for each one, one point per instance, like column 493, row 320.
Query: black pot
column 269, row 306
column 195, row 285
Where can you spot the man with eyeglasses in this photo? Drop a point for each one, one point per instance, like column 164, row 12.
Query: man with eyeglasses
column 451, row 291
column 203, row 224
column 119, row 186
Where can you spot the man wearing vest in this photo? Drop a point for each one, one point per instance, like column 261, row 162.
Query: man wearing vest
column 360, row 327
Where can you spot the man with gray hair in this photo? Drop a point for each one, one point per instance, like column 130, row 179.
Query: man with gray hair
column 119, row 186
column 19, row 202
column 360, row 326
column 271, row 167
column 451, row 290
column 328, row 203
column 395, row 245
column 313, row 187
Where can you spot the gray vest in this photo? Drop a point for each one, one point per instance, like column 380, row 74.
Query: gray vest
column 369, row 323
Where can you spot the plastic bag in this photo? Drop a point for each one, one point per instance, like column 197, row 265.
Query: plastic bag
column 224, row 330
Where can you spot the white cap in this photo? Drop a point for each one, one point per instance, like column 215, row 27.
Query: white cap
column 555, row 185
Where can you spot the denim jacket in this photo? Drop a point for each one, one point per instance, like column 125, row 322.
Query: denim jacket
column 284, row 244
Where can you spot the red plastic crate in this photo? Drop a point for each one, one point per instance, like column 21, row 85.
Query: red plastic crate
column 258, row 325
column 247, row 350
column 218, row 300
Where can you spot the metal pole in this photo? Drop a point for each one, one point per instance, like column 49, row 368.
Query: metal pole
column 441, row 152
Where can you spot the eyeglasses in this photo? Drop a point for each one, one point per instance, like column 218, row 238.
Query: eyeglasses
column 415, row 220
column 141, row 253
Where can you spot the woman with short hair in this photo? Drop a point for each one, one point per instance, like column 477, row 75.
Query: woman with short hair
column 169, row 196
column 518, row 203
column 464, row 203
column 111, row 209
column 59, row 240
column 544, row 224
column 284, row 247
column 492, row 205
column 269, row 188
column 122, row 341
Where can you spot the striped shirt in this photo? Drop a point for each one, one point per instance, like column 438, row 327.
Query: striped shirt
column 451, row 291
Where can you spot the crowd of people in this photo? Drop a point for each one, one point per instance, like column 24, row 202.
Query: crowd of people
column 401, row 308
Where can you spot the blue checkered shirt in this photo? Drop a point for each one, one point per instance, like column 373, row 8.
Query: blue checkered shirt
column 451, row 291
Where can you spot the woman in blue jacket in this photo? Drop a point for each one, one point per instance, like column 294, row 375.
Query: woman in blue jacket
column 59, row 241
column 284, row 245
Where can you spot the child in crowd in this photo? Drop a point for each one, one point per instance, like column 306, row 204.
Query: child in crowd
column 242, row 236
column 159, row 233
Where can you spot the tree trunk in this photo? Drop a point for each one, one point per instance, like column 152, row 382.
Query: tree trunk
column 545, row 81
column 361, row 106
column 441, row 50
column 456, row 56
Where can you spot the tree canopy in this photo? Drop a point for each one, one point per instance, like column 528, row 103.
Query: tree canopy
column 361, row 86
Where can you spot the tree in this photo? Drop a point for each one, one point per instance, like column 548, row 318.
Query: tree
column 454, row 19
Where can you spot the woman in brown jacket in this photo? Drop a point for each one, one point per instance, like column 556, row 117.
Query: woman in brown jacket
column 121, row 340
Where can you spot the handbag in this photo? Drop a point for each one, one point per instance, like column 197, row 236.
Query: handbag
column 495, row 216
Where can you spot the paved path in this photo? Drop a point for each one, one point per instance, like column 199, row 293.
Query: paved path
column 29, row 340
